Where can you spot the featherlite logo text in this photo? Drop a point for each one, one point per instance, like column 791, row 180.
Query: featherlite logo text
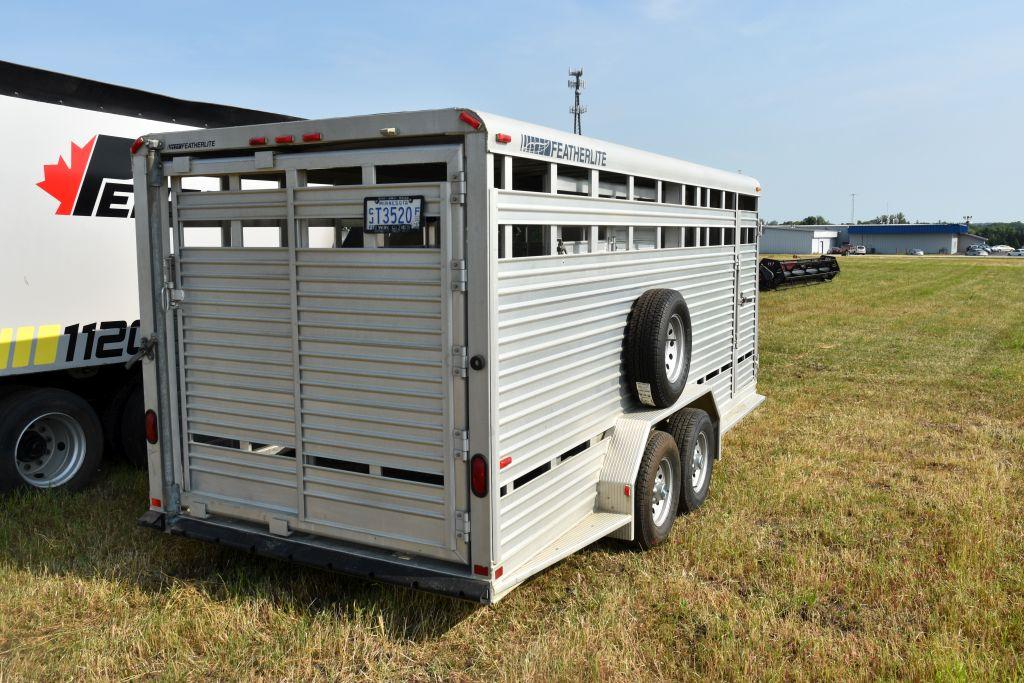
column 560, row 150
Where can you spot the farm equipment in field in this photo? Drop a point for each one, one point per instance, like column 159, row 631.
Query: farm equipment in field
column 773, row 273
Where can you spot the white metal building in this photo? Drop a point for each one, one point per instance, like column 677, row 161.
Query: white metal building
column 931, row 238
column 798, row 239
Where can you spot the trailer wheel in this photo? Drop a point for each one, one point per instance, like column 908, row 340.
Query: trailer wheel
column 133, row 428
column 656, row 490
column 694, row 433
column 658, row 339
column 49, row 438
column 111, row 418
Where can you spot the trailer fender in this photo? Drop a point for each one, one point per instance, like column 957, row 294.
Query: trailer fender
column 626, row 448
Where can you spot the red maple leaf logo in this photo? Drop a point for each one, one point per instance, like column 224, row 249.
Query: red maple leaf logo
column 62, row 182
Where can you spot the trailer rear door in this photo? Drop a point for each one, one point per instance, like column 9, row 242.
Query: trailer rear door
column 318, row 375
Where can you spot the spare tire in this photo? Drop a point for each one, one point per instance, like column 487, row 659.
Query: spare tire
column 657, row 352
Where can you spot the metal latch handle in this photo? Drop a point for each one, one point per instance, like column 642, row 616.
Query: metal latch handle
column 147, row 348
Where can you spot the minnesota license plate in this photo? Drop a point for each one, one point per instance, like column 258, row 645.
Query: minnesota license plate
column 385, row 215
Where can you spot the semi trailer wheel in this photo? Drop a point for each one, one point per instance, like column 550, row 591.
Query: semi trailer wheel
column 658, row 339
column 111, row 418
column 49, row 438
column 694, row 434
column 656, row 496
column 133, row 428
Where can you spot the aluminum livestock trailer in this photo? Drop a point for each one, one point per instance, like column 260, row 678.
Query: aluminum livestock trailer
column 68, row 282
column 443, row 349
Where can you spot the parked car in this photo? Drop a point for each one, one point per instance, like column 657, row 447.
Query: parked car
column 916, row 252
column 1001, row 249
column 859, row 250
column 842, row 251
column 1017, row 252
column 977, row 252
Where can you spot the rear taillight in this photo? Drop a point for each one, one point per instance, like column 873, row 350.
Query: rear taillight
column 151, row 431
column 478, row 475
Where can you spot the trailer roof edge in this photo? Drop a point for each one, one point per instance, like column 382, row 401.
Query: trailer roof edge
column 26, row 82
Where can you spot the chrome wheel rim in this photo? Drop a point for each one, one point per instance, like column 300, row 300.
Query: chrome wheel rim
column 699, row 463
column 50, row 450
column 661, row 493
column 674, row 349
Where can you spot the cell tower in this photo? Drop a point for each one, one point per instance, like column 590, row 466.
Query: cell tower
column 577, row 84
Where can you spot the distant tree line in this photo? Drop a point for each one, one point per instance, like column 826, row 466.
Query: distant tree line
column 821, row 220
column 1001, row 233
column 810, row 220
column 886, row 219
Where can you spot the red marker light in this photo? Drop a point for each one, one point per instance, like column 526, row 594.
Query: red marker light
column 258, row 141
column 151, row 427
column 155, row 503
column 284, row 139
column 312, row 137
column 478, row 475
column 625, row 489
column 505, row 462
column 503, row 138
column 137, row 145
column 481, row 570
column 470, row 119
column 498, row 572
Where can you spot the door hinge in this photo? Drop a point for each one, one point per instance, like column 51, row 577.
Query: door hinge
column 459, row 276
column 170, row 269
column 462, row 525
column 459, row 188
column 462, row 444
column 460, row 366
column 171, row 297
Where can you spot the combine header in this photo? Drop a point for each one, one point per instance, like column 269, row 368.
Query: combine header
column 773, row 273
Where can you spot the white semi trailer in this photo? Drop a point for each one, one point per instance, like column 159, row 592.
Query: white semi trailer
column 441, row 348
column 68, row 282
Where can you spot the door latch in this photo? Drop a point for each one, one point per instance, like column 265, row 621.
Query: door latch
column 147, row 348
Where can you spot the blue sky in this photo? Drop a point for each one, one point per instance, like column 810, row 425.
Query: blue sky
column 918, row 106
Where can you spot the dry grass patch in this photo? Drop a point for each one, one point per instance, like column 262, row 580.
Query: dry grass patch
column 866, row 522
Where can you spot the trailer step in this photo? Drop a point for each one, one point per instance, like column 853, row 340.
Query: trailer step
column 591, row 528
column 742, row 407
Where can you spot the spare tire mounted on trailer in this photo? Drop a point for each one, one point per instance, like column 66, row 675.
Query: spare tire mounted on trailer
column 657, row 347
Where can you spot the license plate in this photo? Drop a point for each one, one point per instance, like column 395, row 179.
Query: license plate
column 393, row 214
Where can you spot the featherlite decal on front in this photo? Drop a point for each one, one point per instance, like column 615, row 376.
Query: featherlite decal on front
column 561, row 150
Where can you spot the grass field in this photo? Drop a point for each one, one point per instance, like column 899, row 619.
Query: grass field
column 866, row 522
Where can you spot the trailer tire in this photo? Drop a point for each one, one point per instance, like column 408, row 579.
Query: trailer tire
column 132, row 429
column 694, row 433
column 656, row 491
column 657, row 348
column 49, row 438
column 111, row 417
